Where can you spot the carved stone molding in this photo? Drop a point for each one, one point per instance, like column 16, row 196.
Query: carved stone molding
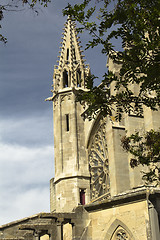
column 55, row 101
column 118, row 231
column 68, row 96
column 121, row 234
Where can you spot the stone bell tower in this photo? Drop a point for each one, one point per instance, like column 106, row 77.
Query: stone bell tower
column 71, row 184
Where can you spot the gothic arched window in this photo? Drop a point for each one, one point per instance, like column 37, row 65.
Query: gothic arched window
column 67, row 57
column 118, row 231
column 65, row 79
column 78, row 75
column 98, row 162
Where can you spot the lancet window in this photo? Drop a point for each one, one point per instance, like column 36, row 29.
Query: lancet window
column 78, row 78
column 67, row 57
column 65, row 79
column 67, row 122
column 82, row 196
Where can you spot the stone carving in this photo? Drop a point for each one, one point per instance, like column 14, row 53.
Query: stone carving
column 66, row 95
column 121, row 235
column 98, row 162
column 56, row 101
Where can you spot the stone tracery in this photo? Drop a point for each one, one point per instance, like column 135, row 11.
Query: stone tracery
column 98, row 162
column 121, row 235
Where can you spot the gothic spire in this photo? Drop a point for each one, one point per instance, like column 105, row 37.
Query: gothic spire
column 71, row 70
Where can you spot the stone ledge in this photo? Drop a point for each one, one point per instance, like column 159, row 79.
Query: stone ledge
column 20, row 221
column 124, row 198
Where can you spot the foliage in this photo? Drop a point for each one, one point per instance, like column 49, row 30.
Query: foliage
column 136, row 24
column 18, row 5
column 145, row 150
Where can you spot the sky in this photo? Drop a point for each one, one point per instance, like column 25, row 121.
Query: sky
column 26, row 120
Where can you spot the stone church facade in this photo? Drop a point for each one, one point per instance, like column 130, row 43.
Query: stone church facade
column 95, row 195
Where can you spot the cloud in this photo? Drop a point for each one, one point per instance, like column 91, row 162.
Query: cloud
column 24, row 204
column 26, row 165
column 33, row 130
column 26, row 124
column 24, row 180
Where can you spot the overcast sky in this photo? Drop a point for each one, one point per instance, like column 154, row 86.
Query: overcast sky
column 26, row 125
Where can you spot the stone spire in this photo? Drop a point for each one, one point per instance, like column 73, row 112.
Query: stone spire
column 71, row 69
column 72, row 178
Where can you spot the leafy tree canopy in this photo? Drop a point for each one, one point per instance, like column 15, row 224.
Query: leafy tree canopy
column 18, row 5
column 134, row 23
column 145, row 150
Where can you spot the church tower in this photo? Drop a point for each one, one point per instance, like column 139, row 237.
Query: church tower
column 71, row 185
